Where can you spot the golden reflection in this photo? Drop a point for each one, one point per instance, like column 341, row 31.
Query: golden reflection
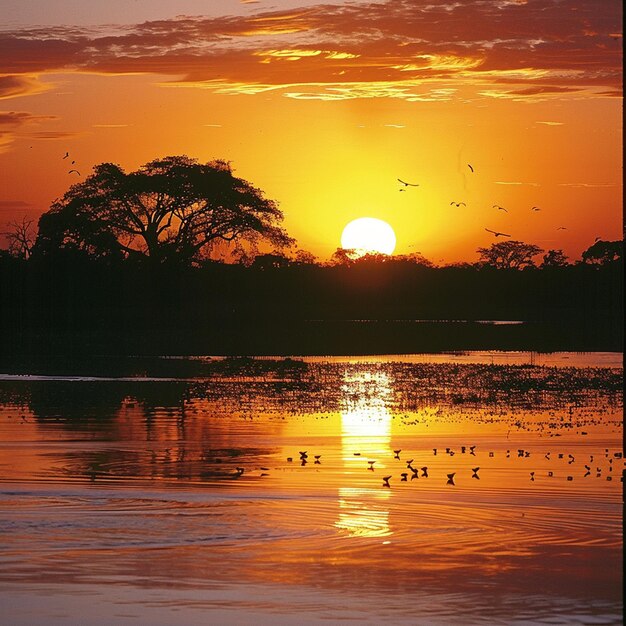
column 365, row 437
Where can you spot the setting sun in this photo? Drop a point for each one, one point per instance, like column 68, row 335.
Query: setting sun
column 368, row 234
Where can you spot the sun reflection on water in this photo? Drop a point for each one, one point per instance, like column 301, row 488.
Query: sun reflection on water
column 365, row 437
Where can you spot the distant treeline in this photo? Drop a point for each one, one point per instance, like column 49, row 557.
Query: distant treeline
column 72, row 304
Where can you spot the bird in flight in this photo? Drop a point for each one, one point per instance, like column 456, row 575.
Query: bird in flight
column 457, row 203
column 561, row 228
column 596, row 240
column 535, row 208
column 500, row 208
column 74, row 171
column 471, row 168
column 496, row 233
column 408, row 184
column 66, row 155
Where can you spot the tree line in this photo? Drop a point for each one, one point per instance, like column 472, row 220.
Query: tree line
column 184, row 256
column 177, row 210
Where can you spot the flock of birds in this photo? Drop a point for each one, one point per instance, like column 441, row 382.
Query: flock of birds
column 495, row 233
column 470, row 450
column 72, row 171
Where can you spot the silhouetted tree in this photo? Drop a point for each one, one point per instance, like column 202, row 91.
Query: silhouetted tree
column 21, row 238
column 266, row 261
column 343, row 256
column 554, row 258
column 413, row 257
column 603, row 253
column 303, row 257
column 509, row 254
column 173, row 208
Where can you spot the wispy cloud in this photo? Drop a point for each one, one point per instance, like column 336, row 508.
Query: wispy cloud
column 587, row 184
column 406, row 49
column 515, row 182
column 12, row 205
column 13, row 125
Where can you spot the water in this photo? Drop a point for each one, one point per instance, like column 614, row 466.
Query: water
column 121, row 500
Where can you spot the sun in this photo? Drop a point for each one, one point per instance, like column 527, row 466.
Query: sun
column 368, row 234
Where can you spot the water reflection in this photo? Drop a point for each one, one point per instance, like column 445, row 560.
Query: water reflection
column 365, row 437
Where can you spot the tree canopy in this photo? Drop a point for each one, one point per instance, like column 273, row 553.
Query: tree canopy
column 603, row 252
column 173, row 208
column 509, row 255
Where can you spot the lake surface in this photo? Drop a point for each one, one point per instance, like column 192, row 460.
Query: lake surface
column 175, row 490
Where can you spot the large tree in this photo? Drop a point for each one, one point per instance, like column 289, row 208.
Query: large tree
column 173, row 208
column 509, row 255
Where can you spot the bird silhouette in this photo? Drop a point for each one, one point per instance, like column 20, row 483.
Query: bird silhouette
column 386, row 481
column 66, row 155
column 475, row 472
column 535, row 208
column 457, row 203
column 451, row 479
column 471, row 168
column 496, row 233
column 561, row 228
column 500, row 208
column 74, row 171
column 397, row 454
column 408, row 184
column 371, row 465
column 404, row 476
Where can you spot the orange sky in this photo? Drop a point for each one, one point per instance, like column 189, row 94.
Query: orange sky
column 325, row 106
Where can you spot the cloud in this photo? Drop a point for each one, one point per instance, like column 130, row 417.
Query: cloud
column 53, row 134
column 20, row 85
column 14, row 205
column 515, row 182
column 395, row 48
column 12, row 125
column 587, row 184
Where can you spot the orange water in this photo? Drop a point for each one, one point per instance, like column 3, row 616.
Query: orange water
column 120, row 501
